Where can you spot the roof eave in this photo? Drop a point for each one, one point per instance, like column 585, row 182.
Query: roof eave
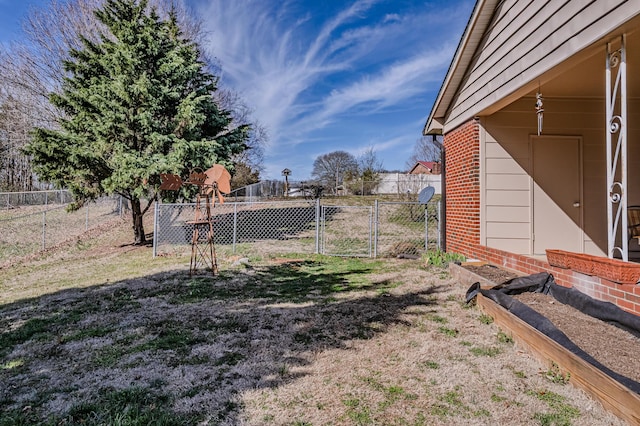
column 473, row 33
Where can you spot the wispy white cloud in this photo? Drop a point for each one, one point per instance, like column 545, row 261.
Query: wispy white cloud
column 304, row 69
column 391, row 17
column 268, row 56
column 398, row 82
column 327, row 30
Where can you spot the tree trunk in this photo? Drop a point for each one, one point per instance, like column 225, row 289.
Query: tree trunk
column 138, row 225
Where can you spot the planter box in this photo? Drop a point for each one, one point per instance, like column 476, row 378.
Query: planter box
column 583, row 263
column 578, row 262
column 614, row 270
column 558, row 258
column 613, row 395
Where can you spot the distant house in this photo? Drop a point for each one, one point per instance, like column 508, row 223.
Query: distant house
column 541, row 126
column 403, row 183
column 426, row 168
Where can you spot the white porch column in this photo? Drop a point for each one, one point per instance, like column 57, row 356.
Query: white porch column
column 616, row 134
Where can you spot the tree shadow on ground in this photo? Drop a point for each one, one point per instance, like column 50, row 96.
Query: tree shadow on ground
column 178, row 350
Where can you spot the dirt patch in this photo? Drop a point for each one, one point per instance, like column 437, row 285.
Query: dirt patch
column 613, row 347
column 492, row 273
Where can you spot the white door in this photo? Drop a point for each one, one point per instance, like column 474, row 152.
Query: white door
column 557, row 208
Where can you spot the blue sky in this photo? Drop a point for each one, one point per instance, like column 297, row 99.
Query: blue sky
column 326, row 75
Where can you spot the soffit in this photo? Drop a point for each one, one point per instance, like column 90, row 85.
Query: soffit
column 471, row 39
column 580, row 75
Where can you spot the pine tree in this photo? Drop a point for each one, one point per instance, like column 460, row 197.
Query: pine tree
column 136, row 104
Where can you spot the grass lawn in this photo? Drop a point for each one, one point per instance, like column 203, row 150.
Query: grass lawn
column 99, row 333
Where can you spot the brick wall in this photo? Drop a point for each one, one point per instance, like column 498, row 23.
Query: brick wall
column 462, row 201
column 462, row 147
column 626, row 296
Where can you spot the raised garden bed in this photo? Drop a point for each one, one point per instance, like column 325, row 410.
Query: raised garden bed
column 613, row 395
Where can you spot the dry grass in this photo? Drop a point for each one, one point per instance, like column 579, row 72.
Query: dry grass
column 99, row 333
column 26, row 230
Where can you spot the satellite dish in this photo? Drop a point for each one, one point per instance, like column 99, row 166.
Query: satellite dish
column 426, row 194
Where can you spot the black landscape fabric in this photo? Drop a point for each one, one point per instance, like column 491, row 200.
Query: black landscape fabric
column 543, row 282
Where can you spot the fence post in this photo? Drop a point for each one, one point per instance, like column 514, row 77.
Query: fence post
column 317, row 225
column 235, row 226
column 156, row 215
column 375, row 230
column 426, row 227
column 439, row 222
column 370, row 242
column 44, row 230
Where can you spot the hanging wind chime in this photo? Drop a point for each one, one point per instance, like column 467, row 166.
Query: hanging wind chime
column 539, row 111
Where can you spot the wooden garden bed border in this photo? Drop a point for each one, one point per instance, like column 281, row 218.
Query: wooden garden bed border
column 614, row 396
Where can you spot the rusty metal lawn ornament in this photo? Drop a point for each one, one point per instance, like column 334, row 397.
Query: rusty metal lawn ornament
column 212, row 184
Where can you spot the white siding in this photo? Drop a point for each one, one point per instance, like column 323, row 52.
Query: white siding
column 506, row 197
column 514, row 182
column 528, row 38
column 520, row 246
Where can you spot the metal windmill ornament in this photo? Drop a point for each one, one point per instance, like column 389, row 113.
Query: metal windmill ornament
column 212, row 183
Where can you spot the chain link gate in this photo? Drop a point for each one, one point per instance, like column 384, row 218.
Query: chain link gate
column 405, row 228
column 346, row 231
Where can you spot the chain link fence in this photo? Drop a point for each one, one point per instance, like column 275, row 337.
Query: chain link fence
column 304, row 226
column 31, row 227
column 10, row 200
column 407, row 228
column 263, row 227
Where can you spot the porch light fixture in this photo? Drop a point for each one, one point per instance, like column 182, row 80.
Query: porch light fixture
column 539, row 111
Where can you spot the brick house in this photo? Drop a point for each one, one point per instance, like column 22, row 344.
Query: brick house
column 542, row 138
column 426, row 168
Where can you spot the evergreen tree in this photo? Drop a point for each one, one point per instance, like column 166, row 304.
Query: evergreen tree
column 135, row 104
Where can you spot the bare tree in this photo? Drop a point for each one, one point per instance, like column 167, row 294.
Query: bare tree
column 368, row 174
column 369, row 163
column 31, row 69
column 249, row 163
column 15, row 170
column 330, row 170
column 427, row 148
